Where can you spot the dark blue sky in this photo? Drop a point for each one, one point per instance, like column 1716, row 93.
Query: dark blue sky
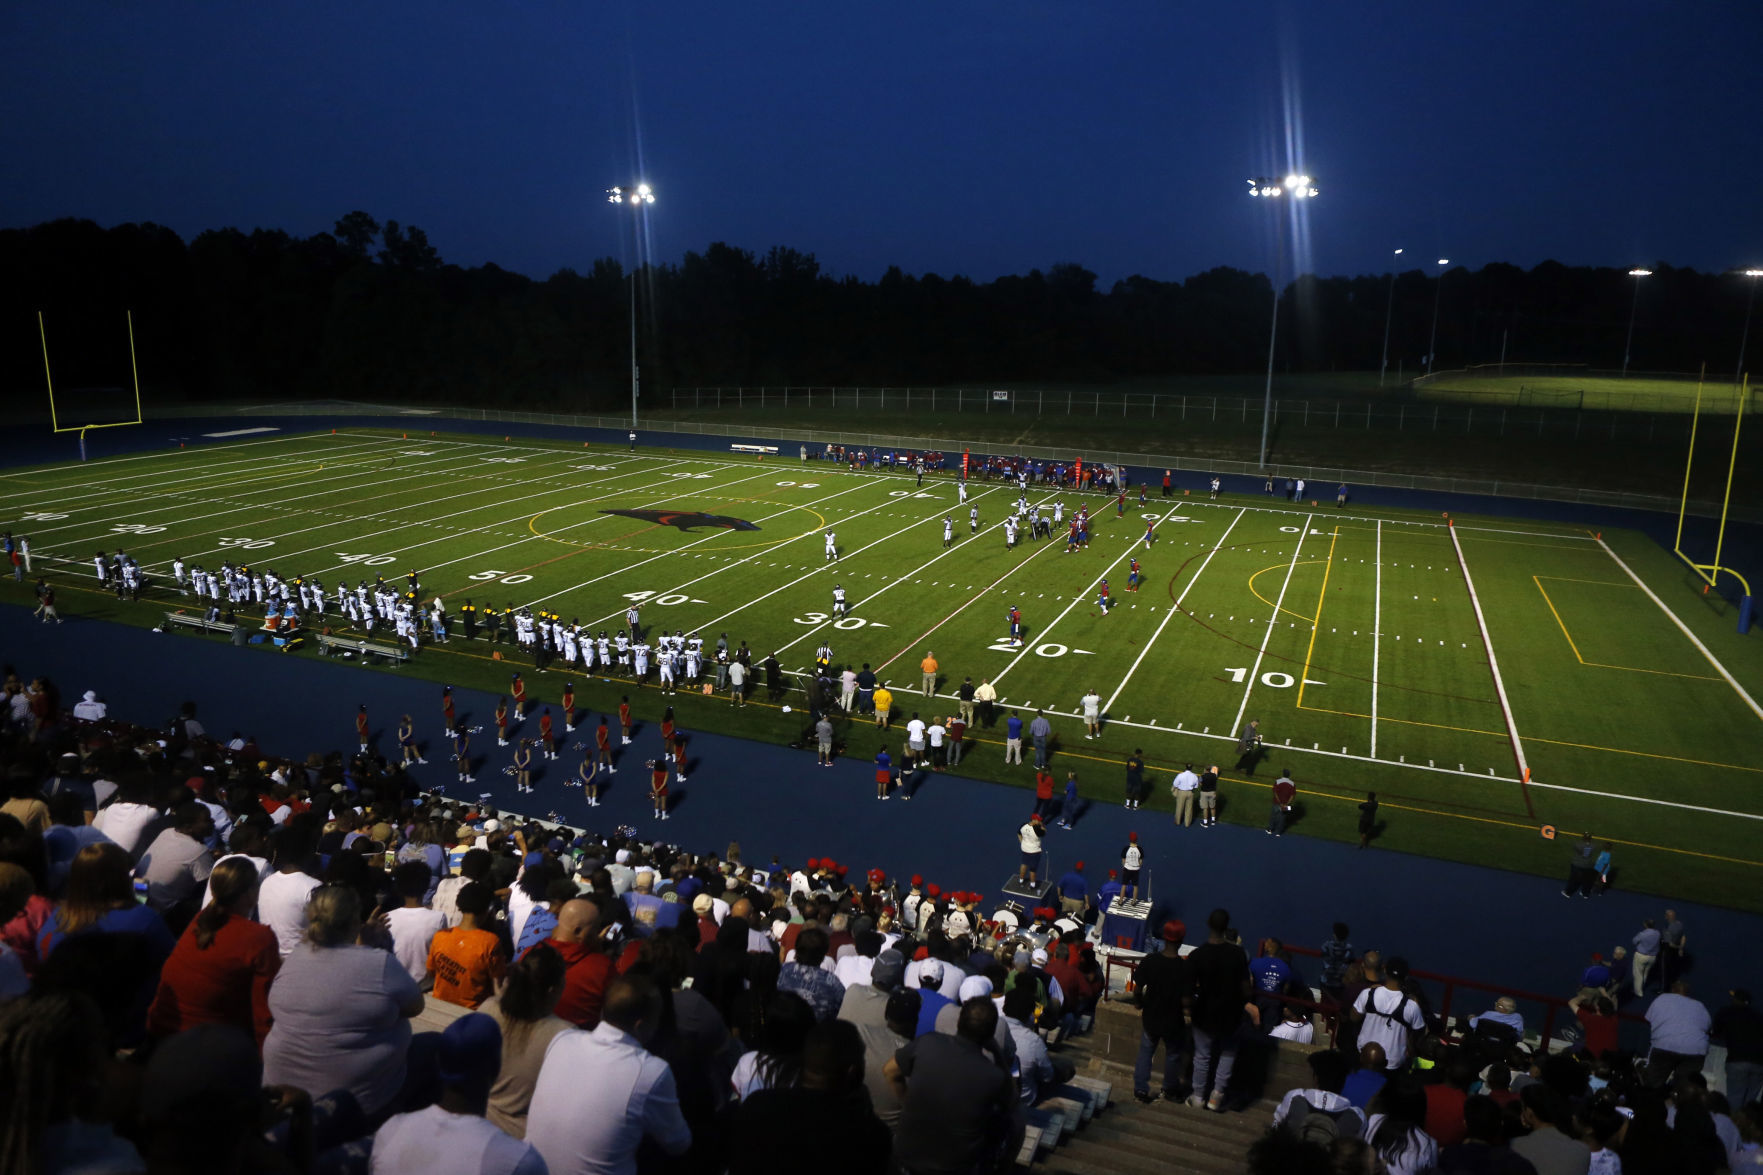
column 966, row 137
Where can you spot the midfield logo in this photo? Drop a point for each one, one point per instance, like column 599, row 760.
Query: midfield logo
column 685, row 521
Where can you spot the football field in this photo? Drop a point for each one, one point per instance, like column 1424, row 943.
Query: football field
column 1489, row 677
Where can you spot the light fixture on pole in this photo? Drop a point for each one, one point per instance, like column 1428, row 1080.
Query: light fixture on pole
column 638, row 199
column 1745, row 336
column 1389, row 307
column 1296, row 187
column 1432, row 344
column 1637, row 274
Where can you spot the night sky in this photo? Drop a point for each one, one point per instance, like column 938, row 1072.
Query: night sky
column 963, row 137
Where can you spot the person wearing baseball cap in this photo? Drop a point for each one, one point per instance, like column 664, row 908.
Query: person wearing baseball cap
column 435, row 1139
column 1029, row 838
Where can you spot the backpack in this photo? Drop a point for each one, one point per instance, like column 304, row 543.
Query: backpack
column 1309, row 1124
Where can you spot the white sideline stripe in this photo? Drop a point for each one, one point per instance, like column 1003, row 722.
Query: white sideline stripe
column 1272, row 624
column 1684, row 628
column 1175, row 609
column 1376, row 631
column 1477, row 777
column 1537, row 534
column 1487, row 643
column 243, row 432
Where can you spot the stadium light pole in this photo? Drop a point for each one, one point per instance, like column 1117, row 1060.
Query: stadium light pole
column 638, row 200
column 1388, row 309
column 1637, row 274
column 1745, row 335
column 1438, row 293
column 1296, row 187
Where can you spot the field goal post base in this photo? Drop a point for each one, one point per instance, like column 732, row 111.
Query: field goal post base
column 1709, row 573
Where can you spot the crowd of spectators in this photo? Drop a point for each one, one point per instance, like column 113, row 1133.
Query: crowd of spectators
column 211, row 960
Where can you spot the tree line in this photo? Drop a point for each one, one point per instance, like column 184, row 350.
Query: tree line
column 370, row 311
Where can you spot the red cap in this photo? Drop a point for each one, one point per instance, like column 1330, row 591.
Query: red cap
column 976, row 898
column 813, row 862
column 196, row 783
column 1114, row 873
column 933, row 890
column 917, row 880
column 1175, row 930
column 959, row 895
column 1079, row 866
column 840, row 870
column 876, row 875
column 921, row 954
column 1132, row 836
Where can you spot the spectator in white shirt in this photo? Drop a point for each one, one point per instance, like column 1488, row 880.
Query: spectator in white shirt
column 454, row 1137
column 90, row 709
column 413, row 925
column 1294, row 1024
column 128, row 816
column 594, row 1127
column 281, row 900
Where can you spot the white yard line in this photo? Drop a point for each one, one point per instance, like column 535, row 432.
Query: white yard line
column 1487, row 643
column 437, row 520
column 526, row 538
column 207, row 450
column 1174, row 610
column 1131, row 550
column 188, row 481
column 971, row 600
column 442, row 465
column 1376, row 632
column 1272, row 623
column 931, row 517
column 1684, row 628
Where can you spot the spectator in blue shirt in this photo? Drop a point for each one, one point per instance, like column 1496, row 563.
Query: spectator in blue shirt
column 932, row 1001
column 1271, row 975
column 1074, row 892
column 1109, row 890
column 806, row 978
column 1013, row 738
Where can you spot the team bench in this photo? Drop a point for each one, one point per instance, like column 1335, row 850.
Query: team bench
column 196, row 620
column 762, row 450
column 330, row 645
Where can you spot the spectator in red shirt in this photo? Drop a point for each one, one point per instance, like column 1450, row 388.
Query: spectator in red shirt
column 587, row 966
column 222, row 967
column 1597, row 1017
column 1444, row 1103
column 19, row 846
column 1284, row 792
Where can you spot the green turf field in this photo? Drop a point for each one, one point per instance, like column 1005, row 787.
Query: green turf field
column 1595, row 392
column 1350, row 633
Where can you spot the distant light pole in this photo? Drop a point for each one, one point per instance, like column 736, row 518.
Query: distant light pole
column 1389, row 307
column 1745, row 337
column 1298, row 188
column 1637, row 275
column 638, row 198
column 1432, row 344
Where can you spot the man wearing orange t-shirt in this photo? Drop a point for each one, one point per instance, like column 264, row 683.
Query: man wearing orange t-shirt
column 467, row 960
column 928, row 667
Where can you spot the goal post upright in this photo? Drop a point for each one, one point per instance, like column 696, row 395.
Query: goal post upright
column 55, row 425
column 1709, row 573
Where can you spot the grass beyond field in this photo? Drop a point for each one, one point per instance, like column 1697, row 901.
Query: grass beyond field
column 1603, row 393
column 1350, row 633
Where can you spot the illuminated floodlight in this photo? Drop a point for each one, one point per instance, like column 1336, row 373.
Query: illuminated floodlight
column 640, row 195
column 1398, row 252
column 1444, row 261
column 1640, row 273
column 1752, row 272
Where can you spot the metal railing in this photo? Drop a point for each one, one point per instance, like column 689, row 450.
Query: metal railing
column 1323, row 476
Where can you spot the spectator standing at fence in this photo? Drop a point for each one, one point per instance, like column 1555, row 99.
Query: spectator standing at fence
column 1388, row 1015
column 1184, row 788
column 1678, row 1040
column 1161, row 984
column 1285, row 791
column 1215, row 1009
column 1673, row 941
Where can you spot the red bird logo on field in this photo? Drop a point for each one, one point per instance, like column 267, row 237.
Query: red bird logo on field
column 685, row 521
